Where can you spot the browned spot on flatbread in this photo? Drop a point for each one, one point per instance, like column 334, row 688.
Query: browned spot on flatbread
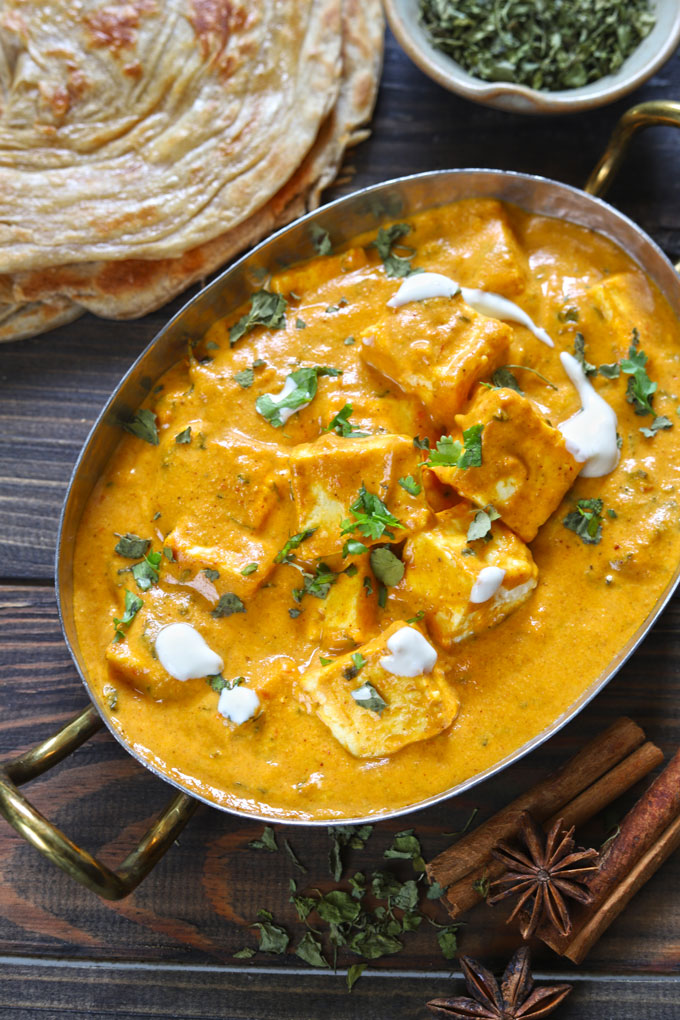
column 115, row 26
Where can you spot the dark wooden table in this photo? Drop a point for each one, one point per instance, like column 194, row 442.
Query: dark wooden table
column 167, row 951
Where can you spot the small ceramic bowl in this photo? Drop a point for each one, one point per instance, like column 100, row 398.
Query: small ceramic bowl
column 649, row 56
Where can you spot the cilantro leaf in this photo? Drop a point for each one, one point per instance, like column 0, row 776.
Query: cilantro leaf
column 354, row 973
column 660, row 422
column 481, row 523
column 212, row 575
column 421, row 444
column 320, row 239
column 503, row 378
column 448, row 942
column 293, row 542
column 354, row 836
column 217, row 682
column 273, row 938
column 184, row 436
column 371, row 517
column 612, row 371
column 340, row 423
column 640, row 389
column 132, row 547
column 146, row 572
column 266, row 309
column 580, row 355
column 472, row 457
column 317, row 584
column 267, row 841
column 305, row 381
column 387, row 567
column 447, row 454
column 406, row 846
column 245, row 378
column 249, row 569
column 366, row 696
column 133, row 604
column 309, row 950
column 450, row 453
column 143, row 425
column 411, row 485
column 395, row 265
column 228, row 604
column 586, row 520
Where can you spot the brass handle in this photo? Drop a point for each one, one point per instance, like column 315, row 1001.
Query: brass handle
column 657, row 111
column 57, row 847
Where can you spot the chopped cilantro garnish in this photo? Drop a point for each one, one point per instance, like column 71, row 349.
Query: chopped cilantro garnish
column 371, row 518
column 228, row 604
column 142, row 425
column 132, row 547
column 503, row 378
column 293, row 542
column 250, row 569
column 245, row 378
column 421, row 444
column 133, row 604
column 305, row 385
column 367, row 697
column 481, row 523
column 418, row 617
column 145, row 573
column 395, row 265
column 586, row 520
column 266, row 309
column 317, row 584
column 659, row 423
column 320, row 239
column 640, row 388
column 219, row 684
column 387, row 567
column 450, row 453
column 348, row 341
column 300, row 324
column 411, row 485
column 612, row 371
column 184, row 436
column 212, row 575
column 580, row 355
column 341, row 425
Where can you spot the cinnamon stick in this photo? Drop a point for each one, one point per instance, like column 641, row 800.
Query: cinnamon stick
column 640, row 831
column 581, row 944
column 465, row 894
column 542, row 800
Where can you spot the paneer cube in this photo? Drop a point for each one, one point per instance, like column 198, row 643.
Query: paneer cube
column 226, row 548
column 526, row 468
column 133, row 660
column 612, row 309
column 245, row 478
column 465, row 571
column 479, row 247
column 436, row 349
column 310, row 275
column 347, row 616
column 416, row 707
column 326, row 478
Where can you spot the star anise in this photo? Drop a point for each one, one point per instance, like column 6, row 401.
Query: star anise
column 516, row 997
column 546, row 870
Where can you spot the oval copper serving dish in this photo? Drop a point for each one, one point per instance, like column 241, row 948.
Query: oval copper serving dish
column 343, row 219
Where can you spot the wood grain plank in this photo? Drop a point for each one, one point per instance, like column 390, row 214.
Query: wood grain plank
column 198, row 903
column 98, row 992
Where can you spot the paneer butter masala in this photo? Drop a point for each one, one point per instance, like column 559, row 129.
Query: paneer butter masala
column 386, row 522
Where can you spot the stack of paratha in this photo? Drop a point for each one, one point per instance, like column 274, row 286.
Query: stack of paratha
column 143, row 144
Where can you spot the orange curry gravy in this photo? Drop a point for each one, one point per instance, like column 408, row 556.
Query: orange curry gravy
column 223, row 500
